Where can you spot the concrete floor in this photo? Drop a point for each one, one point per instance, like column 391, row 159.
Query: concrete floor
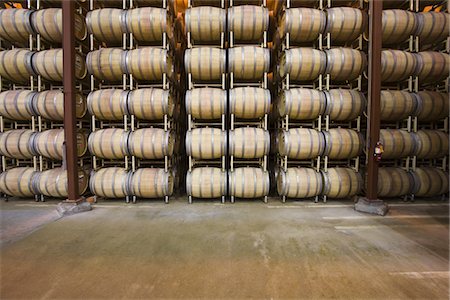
column 207, row 250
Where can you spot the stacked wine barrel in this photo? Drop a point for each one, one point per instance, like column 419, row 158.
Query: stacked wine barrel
column 320, row 102
column 133, row 101
column 32, row 102
column 206, row 100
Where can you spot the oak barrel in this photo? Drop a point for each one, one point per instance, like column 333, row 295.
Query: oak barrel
column 16, row 65
column 48, row 23
column 50, row 105
column 205, row 63
column 248, row 62
column 345, row 24
column 249, row 102
column 151, row 183
column 107, row 64
column 107, row 24
column 303, row 24
column 148, row 24
column 50, row 143
column 151, row 143
column 206, row 182
column 249, row 142
column 150, row 103
column 15, row 25
column 49, row 64
column 110, row 143
column 299, row 183
column 433, row 27
column 342, row 143
column 206, row 143
column 394, row 182
column 149, row 63
column 301, row 103
column 430, row 182
column 397, row 105
column 110, row 182
column 302, row 64
column 432, row 66
column 397, row 143
column 17, row 104
column 53, row 182
column 248, row 183
column 344, row 105
column 398, row 25
column 431, row 143
column 345, row 64
column 205, row 23
column 248, row 22
column 18, row 182
column 16, row 143
column 341, row 183
column 301, row 143
column 397, row 65
column 206, row 103
column 432, row 106
column 108, row 104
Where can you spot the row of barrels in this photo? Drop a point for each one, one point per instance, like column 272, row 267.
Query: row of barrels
column 16, row 25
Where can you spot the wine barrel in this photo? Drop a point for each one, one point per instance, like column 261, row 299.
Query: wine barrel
column 299, row 183
column 432, row 106
column 107, row 24
column 15, row 25
column 48, row 23
column 345, row 64
column 345, row 24
column 302, row 24
column 248, row 22
column 397, row 105
column 49, row 64
column 206, row 182
column 341, row 183
column 301, row 103
column 17, row 104
column 110, row 143
column 398, row 25
column 110, row 182
column 394, row 182
column 50, row 143
column 16, row 65
column 107, row 64
column 16, row 143
column 433, row 27
column 430, row 182
column 150, row 103
column 53, row 182
column 301, row 143
column 341, row 143
column 397, row 65
column 206, row 143
column 17, row 182
column 432, row 66
column 302, row 64
column 248, row 62
column 151, row 183
column 249, row 142
column 397, row 143
column 344, row 105
column 108, row 104
column 205, row 23
column 206, row 103
column 149, row 63
column 148, row 24
column 249, row 102
column 205, row 63
column 50, row 105
column 431, row 144
column 151, row 143
column 248, row 183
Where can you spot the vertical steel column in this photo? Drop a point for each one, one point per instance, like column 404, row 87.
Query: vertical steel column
column 373, row 124
column 68, row 8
